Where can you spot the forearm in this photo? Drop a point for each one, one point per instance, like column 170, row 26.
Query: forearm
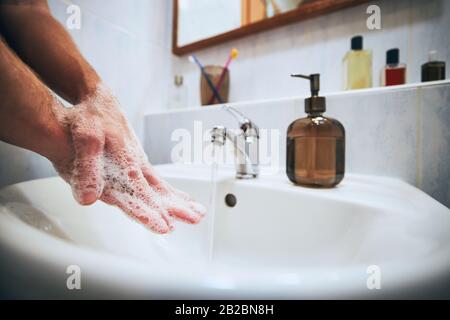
column 43, row 44
column 29, row 114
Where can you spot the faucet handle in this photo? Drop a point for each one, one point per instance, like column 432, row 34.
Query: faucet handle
column 218, row 135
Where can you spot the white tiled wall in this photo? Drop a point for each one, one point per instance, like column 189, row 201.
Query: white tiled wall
column 128, row 43
column 318, row 45
column 434, row 143
column 401, row 132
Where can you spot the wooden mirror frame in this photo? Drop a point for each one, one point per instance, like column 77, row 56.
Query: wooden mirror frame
column 303, row 12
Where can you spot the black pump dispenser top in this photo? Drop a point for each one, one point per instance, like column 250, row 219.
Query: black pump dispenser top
column 314, row 104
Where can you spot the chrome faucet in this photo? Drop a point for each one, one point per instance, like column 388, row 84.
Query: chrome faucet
column 245, row 142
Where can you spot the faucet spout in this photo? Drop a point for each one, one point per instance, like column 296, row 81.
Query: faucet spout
column 245, row 143
column 249, row 129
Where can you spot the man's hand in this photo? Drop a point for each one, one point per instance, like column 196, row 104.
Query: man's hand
column 108, row 163
column 90, row 144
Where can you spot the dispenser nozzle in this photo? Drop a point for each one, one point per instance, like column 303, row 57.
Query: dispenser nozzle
column 314, row 104
column 314, row 80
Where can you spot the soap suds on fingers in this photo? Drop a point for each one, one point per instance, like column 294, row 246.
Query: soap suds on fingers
column 109, row 164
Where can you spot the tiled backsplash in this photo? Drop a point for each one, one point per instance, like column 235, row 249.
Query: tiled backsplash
column 399, row 132
column 128, row 44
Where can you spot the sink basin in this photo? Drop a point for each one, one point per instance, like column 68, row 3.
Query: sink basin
column 277, row 241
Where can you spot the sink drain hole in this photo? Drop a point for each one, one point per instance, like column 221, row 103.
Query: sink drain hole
column 230, row 200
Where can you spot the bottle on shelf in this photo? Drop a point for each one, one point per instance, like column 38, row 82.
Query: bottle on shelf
column 357, row 65
column 394, row 73
column 434, row 69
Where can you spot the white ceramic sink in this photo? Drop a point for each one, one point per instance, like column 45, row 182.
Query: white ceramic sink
column 279, row 241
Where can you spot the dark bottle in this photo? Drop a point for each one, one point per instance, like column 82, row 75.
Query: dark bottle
column 394, row 73
column 433, row 70
column 315, row 144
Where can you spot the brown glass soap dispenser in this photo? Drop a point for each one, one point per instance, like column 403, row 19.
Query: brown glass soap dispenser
column 315, row 144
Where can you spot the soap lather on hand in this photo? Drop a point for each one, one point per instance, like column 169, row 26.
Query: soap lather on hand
column 91, row 144
column 108, row 163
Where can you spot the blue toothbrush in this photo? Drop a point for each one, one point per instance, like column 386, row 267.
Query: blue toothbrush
column 193, row 58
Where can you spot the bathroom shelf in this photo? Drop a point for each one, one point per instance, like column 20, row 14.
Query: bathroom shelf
column 380, row 90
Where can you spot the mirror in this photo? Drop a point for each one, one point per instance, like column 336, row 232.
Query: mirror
column 198, row 24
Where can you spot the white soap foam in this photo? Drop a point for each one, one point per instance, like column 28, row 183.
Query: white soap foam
column 111, row 166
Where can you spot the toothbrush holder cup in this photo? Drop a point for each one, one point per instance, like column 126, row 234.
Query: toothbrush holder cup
column 214, row 73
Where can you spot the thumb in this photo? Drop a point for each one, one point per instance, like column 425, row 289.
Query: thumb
column 87, row 176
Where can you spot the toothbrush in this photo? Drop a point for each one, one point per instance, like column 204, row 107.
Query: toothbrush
column 193, row 58
column 233, row 55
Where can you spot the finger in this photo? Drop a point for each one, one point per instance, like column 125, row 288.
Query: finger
column 198, row 208
column 152, row 178
column 185, row 197
column 87, row 177
column 190, row 211
column 132, row 181
column 184, row 214
column 182, row 195
column 160, row 185
column 138, row 210
column 87, row 181
column 144, row 192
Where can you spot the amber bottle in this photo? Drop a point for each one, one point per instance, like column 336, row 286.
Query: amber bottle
column 315, row 144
